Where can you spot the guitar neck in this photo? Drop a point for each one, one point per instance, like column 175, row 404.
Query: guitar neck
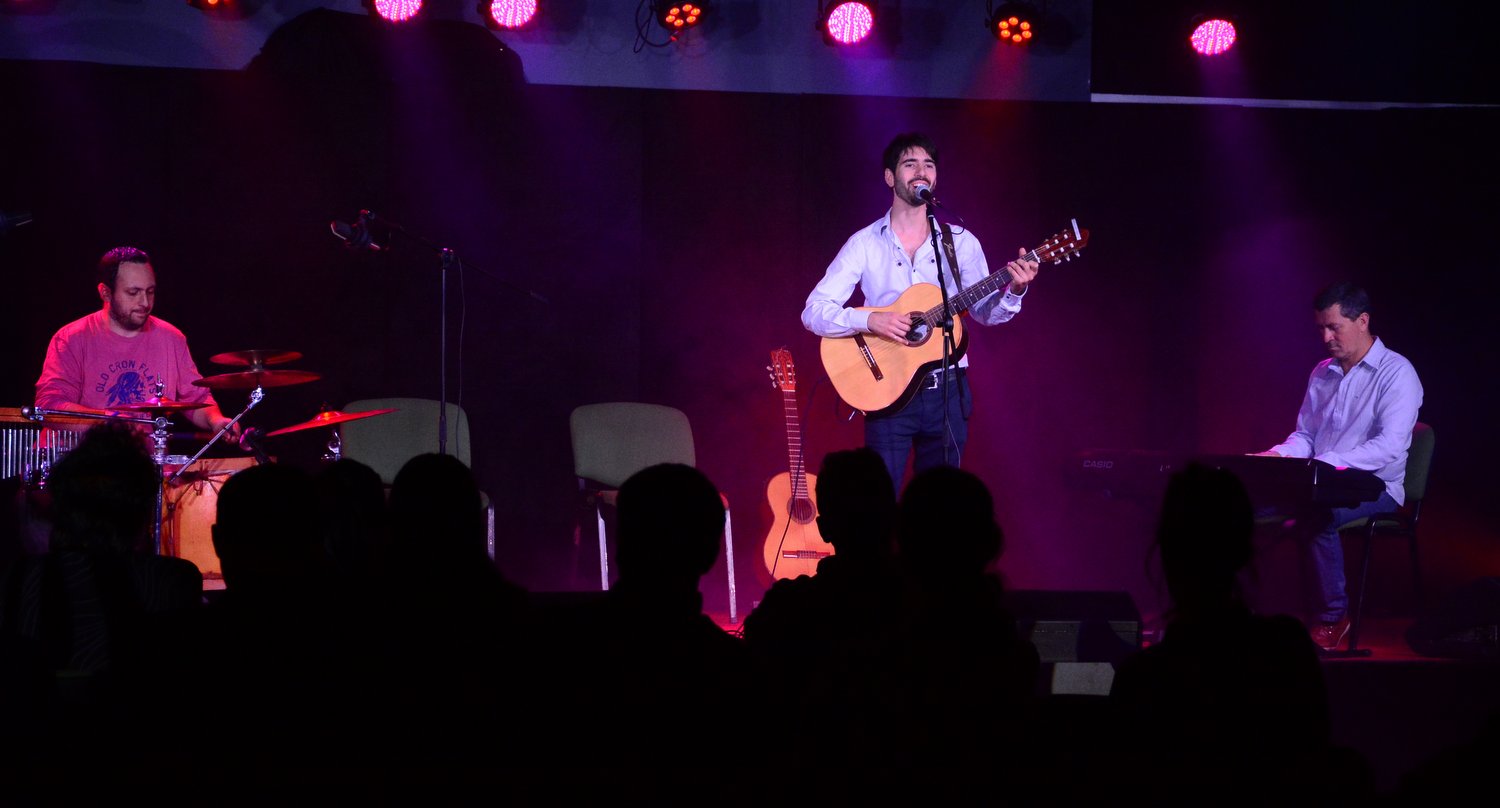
column 961, row 301
column 795, row 456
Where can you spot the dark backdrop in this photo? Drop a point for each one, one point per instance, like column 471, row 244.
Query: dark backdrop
column 676, row 235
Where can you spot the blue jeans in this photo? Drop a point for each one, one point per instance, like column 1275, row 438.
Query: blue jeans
column 1327, row 551
column 919, row 426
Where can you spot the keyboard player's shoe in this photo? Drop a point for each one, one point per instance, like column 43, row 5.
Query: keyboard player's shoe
column 1329, row 636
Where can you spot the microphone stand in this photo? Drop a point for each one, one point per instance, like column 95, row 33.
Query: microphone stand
column 946, row 322
column 447, row 260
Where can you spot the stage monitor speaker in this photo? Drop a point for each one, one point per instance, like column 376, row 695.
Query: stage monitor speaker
column 1466, row 626
column 1081, row 626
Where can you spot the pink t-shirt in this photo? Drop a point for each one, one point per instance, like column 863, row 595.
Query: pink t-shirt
column 89, row 365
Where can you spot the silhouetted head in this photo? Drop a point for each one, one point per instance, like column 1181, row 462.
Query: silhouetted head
column 436, row 509
column 104, row 491
column 351, row 501
column 856, row 503
column 266, row 533
column 671, row 519
column 947, row 526
column 1204, row 535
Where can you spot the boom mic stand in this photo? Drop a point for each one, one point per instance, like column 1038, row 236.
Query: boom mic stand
column 360, row 237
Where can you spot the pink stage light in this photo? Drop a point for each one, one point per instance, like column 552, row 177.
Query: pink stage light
column 849, row 23
column 1213, row 37
column 398, row 10
column 512, row 13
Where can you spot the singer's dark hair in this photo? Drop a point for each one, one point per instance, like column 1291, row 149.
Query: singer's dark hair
column 904, row 141
column 109, row 263
column 1352, row 300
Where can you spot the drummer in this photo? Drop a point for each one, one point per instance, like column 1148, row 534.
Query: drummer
column 117, row 355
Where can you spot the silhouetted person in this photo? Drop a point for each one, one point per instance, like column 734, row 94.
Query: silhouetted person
column 962, row 672
column 645, row 661
column 74, row 618
column 87, row 596
column 1227, row 699
column 451, row 621
column 816, row 638
column 356, row 532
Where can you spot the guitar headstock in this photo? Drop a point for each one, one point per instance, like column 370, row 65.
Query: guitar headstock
column 783, row 371
column 1063, row 246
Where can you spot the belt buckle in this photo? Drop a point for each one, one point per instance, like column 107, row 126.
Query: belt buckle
column 934, row 380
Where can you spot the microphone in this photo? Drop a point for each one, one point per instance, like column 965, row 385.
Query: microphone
column 356, row 236
column 10, row 221
column 924, row 193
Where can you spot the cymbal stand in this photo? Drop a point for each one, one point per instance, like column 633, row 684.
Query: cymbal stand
column 255, row 398
column 335, row 446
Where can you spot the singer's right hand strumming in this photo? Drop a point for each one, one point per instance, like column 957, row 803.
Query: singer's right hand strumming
column 890, row 325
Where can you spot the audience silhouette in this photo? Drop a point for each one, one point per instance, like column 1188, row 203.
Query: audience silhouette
column 1227, row 696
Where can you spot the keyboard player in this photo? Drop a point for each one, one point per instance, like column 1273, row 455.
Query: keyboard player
column 1359, row 409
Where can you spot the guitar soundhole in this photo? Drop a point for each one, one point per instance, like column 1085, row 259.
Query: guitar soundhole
column 801, row 510
column 920, row 330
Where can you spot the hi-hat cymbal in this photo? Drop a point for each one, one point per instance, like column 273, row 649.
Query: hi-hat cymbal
column 254, row 358
column 251, row 379
column 161, row 405
column 328, row 418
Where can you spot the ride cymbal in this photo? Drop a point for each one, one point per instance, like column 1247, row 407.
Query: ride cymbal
column 254, row 358
column 251, row 379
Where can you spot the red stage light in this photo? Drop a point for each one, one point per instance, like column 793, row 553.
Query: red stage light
column 848, row 23
column 1213, row 37
column 677, row 17
column 1013, row 23
column 510, row 13
column 397, row 10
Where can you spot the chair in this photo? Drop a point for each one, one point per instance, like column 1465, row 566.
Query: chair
column 386, row 442
column 1401, row 523
column 615, row 440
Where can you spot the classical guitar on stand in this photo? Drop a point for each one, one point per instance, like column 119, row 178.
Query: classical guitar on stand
column 793, row 545
column 876, row 374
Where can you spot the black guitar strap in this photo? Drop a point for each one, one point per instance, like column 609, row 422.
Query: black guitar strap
column 952, row 254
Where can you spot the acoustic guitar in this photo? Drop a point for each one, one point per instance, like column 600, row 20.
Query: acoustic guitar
column 877, row 375
column 793, row 545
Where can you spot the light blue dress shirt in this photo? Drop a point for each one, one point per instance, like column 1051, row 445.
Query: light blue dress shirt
column 1362, row 419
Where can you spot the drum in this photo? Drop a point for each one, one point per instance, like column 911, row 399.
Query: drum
column 189, row 507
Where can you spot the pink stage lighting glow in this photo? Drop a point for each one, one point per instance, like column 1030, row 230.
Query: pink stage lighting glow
column 1213, row 37
column 398, row 10
column 850, row 23
column 512, row 13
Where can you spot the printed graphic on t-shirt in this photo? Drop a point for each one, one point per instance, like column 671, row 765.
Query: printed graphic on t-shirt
column 126, row 382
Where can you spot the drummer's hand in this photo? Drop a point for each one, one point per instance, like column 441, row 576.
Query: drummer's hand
column 217, row 423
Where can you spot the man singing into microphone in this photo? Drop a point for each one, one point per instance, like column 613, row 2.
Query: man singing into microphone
column 884, row 260
column 116, row 355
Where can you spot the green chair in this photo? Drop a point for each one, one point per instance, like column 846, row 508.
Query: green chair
column 1401, row 523
column 386, row 442
column 615, row 440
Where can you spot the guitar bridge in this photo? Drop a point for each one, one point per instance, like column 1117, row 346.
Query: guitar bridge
column 812, row 554
column 864, row 350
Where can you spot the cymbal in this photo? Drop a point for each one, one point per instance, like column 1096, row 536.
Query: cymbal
column 254, row 358
column 251, row 379
column 161, row 405
column 328, row 418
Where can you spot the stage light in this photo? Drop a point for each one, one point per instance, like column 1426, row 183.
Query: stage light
column 676, row 17
column 1013, row 23
column 395, row 10
column 1213, row 37
column 507, row 14
column 845, row 23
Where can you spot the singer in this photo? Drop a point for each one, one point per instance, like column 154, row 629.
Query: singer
column 884, row 260
column 117, row 354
